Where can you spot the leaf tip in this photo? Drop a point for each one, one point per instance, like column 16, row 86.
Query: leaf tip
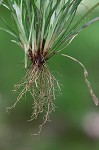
column 96, row 100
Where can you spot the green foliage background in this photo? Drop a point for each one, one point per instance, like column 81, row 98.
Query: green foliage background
column 65, row 132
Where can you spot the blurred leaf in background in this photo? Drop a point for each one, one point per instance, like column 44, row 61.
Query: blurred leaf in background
column 75, row 124
column 1, row 2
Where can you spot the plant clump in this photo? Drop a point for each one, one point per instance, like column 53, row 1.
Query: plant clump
column 43, row 28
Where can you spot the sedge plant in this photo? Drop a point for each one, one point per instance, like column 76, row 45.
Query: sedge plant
column 43, row 28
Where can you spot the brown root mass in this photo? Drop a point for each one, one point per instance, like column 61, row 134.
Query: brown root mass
column 42, row 86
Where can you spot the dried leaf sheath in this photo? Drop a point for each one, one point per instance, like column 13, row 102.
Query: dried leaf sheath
column 94, row 97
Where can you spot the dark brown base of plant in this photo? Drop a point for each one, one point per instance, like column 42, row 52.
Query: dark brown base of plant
column 42, row 86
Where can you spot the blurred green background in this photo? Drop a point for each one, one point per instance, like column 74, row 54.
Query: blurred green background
column 75, row 124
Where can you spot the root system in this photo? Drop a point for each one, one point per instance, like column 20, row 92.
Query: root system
column 42, row 86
